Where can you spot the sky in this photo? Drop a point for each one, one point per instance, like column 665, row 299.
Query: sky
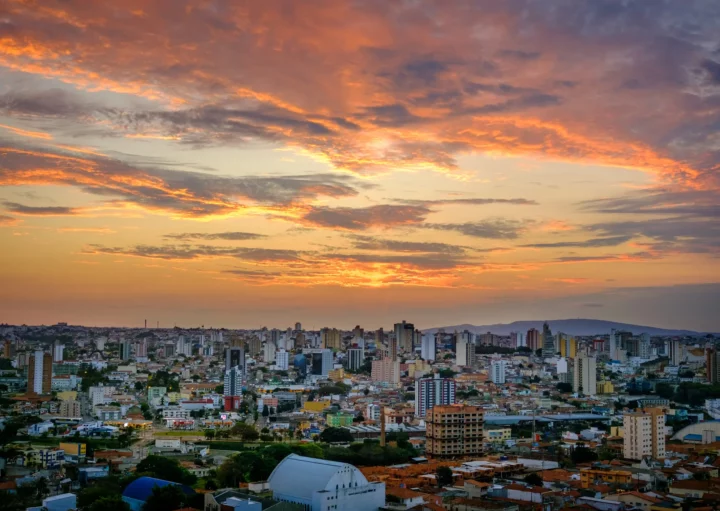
column 335, row 162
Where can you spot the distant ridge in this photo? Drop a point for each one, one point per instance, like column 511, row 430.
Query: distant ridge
column 568, row 326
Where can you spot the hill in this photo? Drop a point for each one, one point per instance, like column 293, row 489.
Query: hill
column 568, row 326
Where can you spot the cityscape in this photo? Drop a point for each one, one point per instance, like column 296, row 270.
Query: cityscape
column 360, row 255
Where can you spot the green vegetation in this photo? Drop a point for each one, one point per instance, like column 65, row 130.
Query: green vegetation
column 444, row 476
column 165, row 468
column 690, row 393
column 336, row 435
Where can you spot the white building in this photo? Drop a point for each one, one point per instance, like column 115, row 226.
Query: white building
column 269, row 351
column 497, row 371
column 282, row 359
column 372, row 412
column 355, row 358
column 58, row 351
column 233, row 382
column 176, row 413
column 427, row 348
column 96, row 395
column 184, row 346
column 464, row 352
column 322, row 485
column 433, row 391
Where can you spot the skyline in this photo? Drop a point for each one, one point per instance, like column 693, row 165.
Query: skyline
column 359, row 162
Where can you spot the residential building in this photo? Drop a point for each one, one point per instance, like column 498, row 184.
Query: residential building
column 339, row 420
column 464, row 351
column 233, row 382
column 430, row 392
column 712, row 365
column 355, row 358
column 386, row 370
column 96, row 395
column 176, row 413
column 125, row 350
column 58, row 351
column 590, row 477
column 605, row 387
column 568, row 345
column 404, row 336
column 156, row 393
column 454, row 430
column 677, row 352
column 497, row 371
column 498, row 435
column 331, row 338
column 585, row 375
column 548, row 346
column 322, row 485
column 70, row 409
column 235, row 357
column 282, row 360
column 644, row 434
column 108, row 413
column 427, row 349
column 40, row 373
column 532, row 339
column 269, row 351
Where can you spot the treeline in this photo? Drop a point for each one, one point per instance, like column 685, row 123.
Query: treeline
column 690, row 393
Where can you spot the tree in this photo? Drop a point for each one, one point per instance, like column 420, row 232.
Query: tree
column 166, row 498
column 336, row 435
column 582, row 454
column 209, row 434
column 265, row 411
column 533, row 479
column 111, row 503
column 101, row 488
column 446, row 373
column 444, row 476
column 165, row 468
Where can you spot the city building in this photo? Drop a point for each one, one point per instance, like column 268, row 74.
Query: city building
column 584, row 375
column 548, row 342
column 386, row 370
column 282, row 360
column 58, row 351
column 322, row 485
column 497, row 371
column 322, row 362
column 464, row 351
column 269, row 351
column 454, row 431
column 568, row 345
column 125, row 350
column 427, row 348
column 430, row 392
column 184, row 346
column 404, row 336
column 644, row 434
column 141, row 348
column 300, row 363
column 712, row 368
column 70, row 409
column 355, row 358
column 39, row 373
column 235, row 357
column 677, row 352
column 233, row 382
column 331, row 338
column 532, row 339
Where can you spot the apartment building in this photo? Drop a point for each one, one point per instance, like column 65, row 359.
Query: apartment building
column 644, row 434
column 454, row 431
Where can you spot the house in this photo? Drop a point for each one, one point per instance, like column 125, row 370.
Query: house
column 476, row 489
column 402, row 498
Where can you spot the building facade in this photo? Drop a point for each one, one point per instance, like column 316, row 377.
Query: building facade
column 455, row 430
column 40, row 373
column 430, row 392
column 644, row 434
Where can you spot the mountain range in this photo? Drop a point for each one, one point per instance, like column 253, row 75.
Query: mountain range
column 567, row 326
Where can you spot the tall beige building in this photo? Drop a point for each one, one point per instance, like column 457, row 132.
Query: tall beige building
column 454, row 431
column 644, row 434
column 330, row 338
column 585, row 374
column 70, row 408
column 386, row 370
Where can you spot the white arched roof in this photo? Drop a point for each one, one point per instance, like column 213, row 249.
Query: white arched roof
column 300, row 477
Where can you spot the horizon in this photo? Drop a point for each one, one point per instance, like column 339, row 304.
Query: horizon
column 360, row 162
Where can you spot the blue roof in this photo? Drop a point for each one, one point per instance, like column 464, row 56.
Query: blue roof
column 142, row 488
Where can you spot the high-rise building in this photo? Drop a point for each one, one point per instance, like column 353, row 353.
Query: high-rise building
column 548, row 347
column 454, row 431
column 233, row 382
column 677, row 352
column 298, row 327
column 141, row 348
column 355, row 358
column 300, row 363
column 427, row 350
column 169, row 349
column 433, row 391
column 235, row 357
column 269, row 351
column 644, row 434
column 125, row 350
column 70, row 409
column 58, row 351
column 562, row 370
column 386, row 370
column 644, row 346
column 517, row 340
column 584, row 374
column 39, row 373
column 331, row 339
column 379, row 336
column 464, row 353
column 533, row 339
column 405, row 336
column 100, row 344
column 184, row 346
column 712, row 365
column 254, row 346
column 282, row 360
column 299, row 340
column 567, row 345
column 322, row 362
column 497, row 371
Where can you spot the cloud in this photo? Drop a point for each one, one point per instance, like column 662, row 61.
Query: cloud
column 498, row 228
column 478, row 201
column 190, row 252
column 360, row 219
column 634, row 257
column 591, row 243
column 7, row 220
column 379, row 244
column 415, row 260
column 20, row 209
column 179, row 192
column 229, row 236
